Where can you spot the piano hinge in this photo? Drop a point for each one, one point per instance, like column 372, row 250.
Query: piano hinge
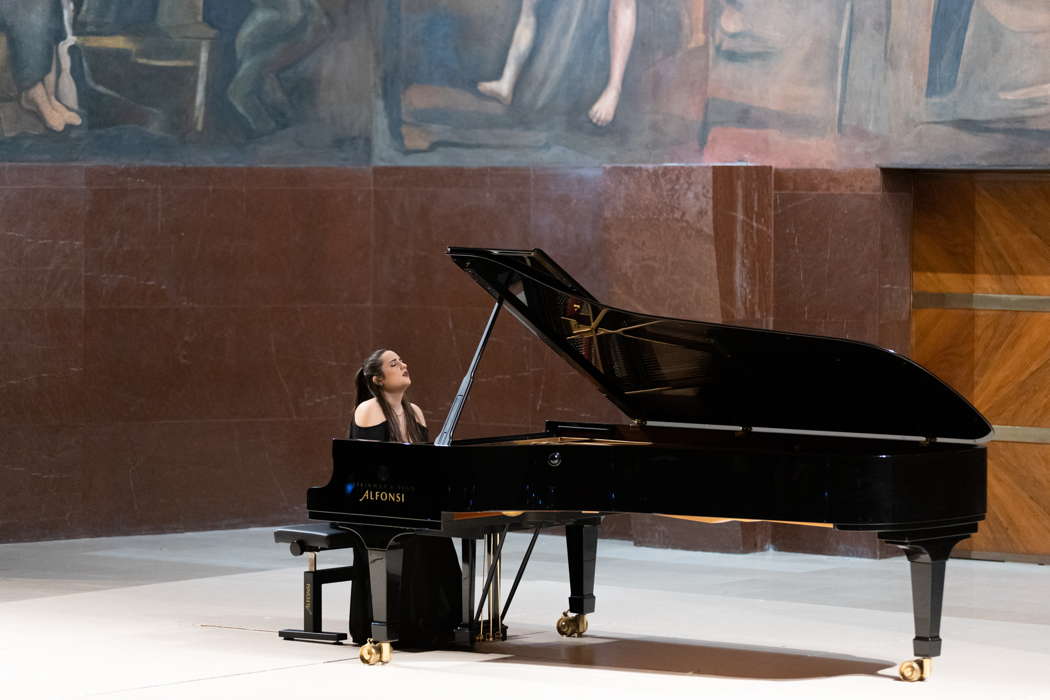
column 928, row 441
column 638, row 421
column 743, row 432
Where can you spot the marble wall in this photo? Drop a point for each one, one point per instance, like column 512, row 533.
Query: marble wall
column 178, row 344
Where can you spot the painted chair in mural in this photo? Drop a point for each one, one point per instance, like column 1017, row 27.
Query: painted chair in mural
column 132, row 62
column 146, row 64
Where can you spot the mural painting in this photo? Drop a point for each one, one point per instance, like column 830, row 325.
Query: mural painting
column 187, row 81
column 814, row 83
column 806, row 83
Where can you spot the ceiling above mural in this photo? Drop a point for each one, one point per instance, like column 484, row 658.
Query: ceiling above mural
column 821, row 83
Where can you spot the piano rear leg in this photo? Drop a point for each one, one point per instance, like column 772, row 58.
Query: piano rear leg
column 581, row 544
column 463, row 635
column 928, row 559
column 385, row 566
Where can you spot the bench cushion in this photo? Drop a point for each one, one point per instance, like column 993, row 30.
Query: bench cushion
column 315, row 537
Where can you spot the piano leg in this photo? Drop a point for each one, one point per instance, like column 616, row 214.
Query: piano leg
column 928, row 557
column 581, row 544
column 463, row 635
column 385, row 566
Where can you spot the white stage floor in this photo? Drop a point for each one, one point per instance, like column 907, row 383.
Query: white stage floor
column 195, row 615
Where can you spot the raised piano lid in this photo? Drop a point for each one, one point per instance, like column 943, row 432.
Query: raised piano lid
column 671, row 371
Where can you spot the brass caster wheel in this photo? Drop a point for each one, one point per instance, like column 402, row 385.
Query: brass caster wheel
column 571, row 626
column 370, row 653
column 916, row 670
column 385, row 652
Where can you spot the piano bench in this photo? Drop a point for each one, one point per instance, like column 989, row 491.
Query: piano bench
column 310, row 539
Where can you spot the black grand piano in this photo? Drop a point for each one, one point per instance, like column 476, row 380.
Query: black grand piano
column 726, row 422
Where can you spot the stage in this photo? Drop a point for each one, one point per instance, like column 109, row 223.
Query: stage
column 195, row 615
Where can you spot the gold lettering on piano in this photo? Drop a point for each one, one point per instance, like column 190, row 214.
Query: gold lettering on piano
column 384, row 496
column 308, row 598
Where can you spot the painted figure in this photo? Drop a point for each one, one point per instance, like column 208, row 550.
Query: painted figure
column 622, row 20
column 276, row 34
column 776, row 81
column 983, row 72
column 34, row 29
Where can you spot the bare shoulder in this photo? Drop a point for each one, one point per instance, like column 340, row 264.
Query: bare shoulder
column 368, row 413
column 418, row 413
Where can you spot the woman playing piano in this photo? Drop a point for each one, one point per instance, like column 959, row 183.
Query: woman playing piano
column 430, row 594
column 383, row 412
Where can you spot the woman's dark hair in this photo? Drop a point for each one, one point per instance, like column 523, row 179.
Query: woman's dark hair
column 367, row 388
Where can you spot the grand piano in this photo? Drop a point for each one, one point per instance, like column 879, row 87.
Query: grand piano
column 725, row 422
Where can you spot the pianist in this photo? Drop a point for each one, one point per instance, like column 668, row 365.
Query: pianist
column 382, row 410
column 430, row 596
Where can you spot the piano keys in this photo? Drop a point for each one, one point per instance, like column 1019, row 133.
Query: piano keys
column 726, row 423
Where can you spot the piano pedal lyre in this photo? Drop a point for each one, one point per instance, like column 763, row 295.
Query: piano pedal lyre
column 916, row 669
column 571, row 625
column 372, row 653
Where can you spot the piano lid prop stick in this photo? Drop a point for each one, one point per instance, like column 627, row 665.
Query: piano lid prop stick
column 444, row 438
column 492, row 571
column 521, row 571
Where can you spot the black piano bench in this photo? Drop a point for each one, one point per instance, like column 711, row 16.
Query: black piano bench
column 311, row 539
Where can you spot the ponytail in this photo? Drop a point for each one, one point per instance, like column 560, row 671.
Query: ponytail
column 364, row 391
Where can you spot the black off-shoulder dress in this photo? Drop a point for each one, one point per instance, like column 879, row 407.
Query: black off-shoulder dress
column 431, row 603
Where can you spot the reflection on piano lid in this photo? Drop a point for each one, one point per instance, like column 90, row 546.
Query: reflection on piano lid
column 674, row 372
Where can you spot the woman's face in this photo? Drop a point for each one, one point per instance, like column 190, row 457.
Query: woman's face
column 395, row 372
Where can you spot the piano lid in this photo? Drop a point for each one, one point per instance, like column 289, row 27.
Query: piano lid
column 692, row 372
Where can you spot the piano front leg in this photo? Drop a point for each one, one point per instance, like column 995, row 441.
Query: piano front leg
column 385, row 566
column 928, row 556
column 581, row 544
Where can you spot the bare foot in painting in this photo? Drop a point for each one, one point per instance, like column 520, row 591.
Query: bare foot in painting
column 497, row 90
column 604, row 109
column 69, row 116
column 36, row 100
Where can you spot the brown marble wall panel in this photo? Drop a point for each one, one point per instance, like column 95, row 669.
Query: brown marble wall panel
column 1012, row 367
column 743, row 231
column 843, row 254
column 1012, row 253
column 658, row 241
column 826, row 259
column 41, row 366
column 787, row 537
column 413, row 227
column 1018, row 501
column 177, row 476
column 308, row 246
column 126, row 260
column 944, row 343
column 566, row 216
column 895, row 275
column 737, row 537
column 846, row 181
column 41, row 247
column 944, row 234
column 42, row 470
column 220, row 363
column 34, row 175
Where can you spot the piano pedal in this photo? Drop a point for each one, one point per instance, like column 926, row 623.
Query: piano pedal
column 571, row 625
column 916, row 670
column 483, row 632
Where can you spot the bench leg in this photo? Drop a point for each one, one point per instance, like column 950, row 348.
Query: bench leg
column 313, row 602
